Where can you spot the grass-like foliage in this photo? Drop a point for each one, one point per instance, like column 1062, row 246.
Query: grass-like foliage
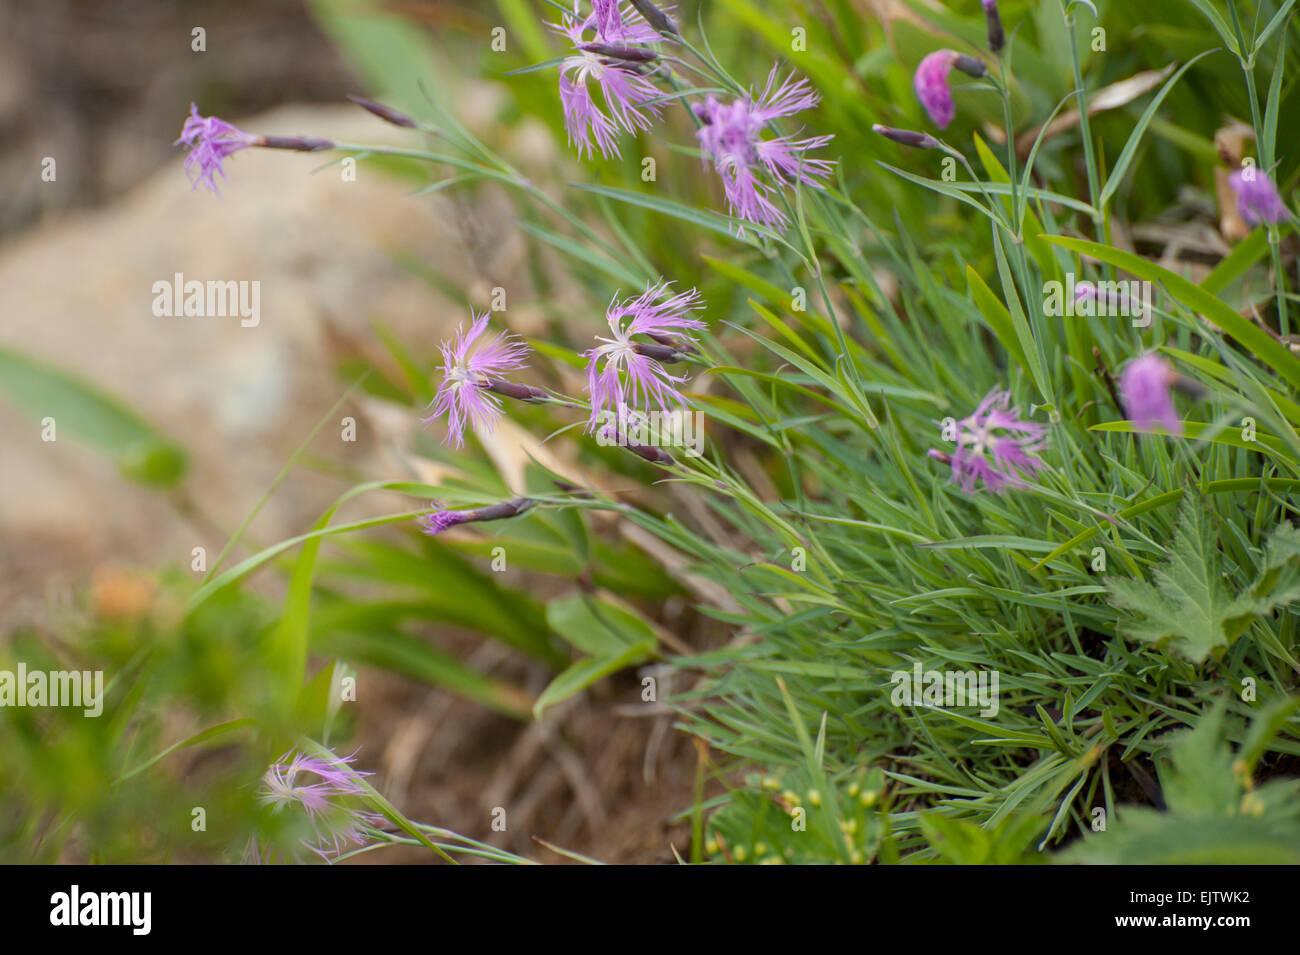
column 932, row 465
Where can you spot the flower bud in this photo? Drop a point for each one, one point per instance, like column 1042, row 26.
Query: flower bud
column 301, row 144
column 664, row 354
column 657, row 19
column 907, row 137
column 970, row 66
column 516, row 391
column 619, row 52
column 997, row 37
column 386, row 113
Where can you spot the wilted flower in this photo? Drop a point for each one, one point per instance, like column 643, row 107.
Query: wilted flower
column 623, row 373
column 210, row 140
column 471, row 379
column 610, row 48
column 1144, row 387
column 320, row 787
column 441, row 520
column 931, row 83
column 1258, row 200
column 995, row 446
column 731, row 136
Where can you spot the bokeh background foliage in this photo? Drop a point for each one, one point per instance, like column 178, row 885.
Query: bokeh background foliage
column 820, row 420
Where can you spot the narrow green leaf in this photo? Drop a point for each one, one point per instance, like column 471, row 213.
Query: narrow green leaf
column 1135, row 138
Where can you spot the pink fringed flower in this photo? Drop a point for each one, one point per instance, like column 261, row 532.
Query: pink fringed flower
column 625, row 374
column 995, row 447
column 210, row 140
column 608, row 16
column 471, row 375
column 442, row 519
column 931, row 83
column 612, row 48
column 1258, row 200
column 732, row 137
column 319, row 786
column 1144, row 387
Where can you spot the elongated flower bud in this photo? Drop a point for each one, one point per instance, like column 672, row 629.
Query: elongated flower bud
column 301, row 144
column 997, row 38
column 516, row 391
column 665, row 354
column 386, row 113
column 619, row 52
column 672, row 341
column 940, row 456
column 439, row 521
column 657, row 19
column 653, row 455
column 907, row 137
column 970, row 66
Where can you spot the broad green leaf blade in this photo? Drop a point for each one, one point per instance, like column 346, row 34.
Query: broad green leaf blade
column 584, row 673
column 79, row 410
column 598, row 627
column 1259, row 342
column 390, row 648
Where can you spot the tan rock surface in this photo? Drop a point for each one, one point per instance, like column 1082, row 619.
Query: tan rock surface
column 78, row 293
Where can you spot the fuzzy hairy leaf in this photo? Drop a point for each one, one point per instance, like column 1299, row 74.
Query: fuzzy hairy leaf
column 1189, row 604
column 1279, row 579
column 1212, row 819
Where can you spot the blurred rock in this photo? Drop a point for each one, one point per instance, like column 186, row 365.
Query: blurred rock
column 101, row 87
column 79, row 294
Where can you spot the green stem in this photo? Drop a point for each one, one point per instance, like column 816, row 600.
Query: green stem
column 1085, row 130
column 1265, row 152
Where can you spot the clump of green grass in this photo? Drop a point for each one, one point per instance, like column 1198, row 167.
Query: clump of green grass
column 1134, row 595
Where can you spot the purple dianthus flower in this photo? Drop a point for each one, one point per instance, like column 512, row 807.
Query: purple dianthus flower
column 442, row 519
column 931, row 83
column 1258, row 200
column 623, row 373
column 611, row 48
column 470, row 376
column 731, row 136
column 1144, row 386
column 995, row 446
column 316, row 785
column 210, row 140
